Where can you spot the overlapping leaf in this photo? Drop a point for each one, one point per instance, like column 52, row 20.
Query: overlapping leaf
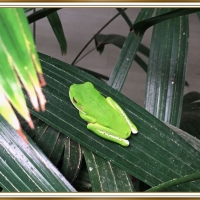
column 24, row 168
column 103, row 175
column 124, row 61
column 18, row 61
column 39, row 14
column 63, row 152
column 157, row 154
column 128, row 53
column 117, row 40
column 56, row 25
column 167, row 66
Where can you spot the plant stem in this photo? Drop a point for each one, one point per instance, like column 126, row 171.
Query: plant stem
column 173, row 182
column 84, row 55
column 128, row 21
column 96, row 34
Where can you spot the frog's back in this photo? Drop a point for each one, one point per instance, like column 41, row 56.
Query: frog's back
column 107, row 116
column 97, row 107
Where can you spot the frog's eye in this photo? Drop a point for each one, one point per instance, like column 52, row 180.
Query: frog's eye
column 74, row 100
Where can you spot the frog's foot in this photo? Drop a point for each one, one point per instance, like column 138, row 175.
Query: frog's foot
column 133, row 127
column 126, row 142
column 107, row 134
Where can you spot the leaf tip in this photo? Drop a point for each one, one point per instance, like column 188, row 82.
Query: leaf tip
column 42, row 80
column 23, row 136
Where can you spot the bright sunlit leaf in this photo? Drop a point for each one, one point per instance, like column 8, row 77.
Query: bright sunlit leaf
column 19, row 67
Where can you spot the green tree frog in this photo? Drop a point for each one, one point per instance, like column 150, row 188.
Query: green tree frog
column 104, row 116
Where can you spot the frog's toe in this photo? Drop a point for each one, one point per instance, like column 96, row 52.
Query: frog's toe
column 134, row 130
column 126, row 143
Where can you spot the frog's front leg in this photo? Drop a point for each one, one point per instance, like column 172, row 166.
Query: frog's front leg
column 120, row 111
column 107, row 133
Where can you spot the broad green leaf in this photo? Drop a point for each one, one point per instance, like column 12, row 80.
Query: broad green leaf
column 63, row 152
column 157, row 154
column 191, row 177
column 133, row 40
column 18, row 61
column 103, row 175
column 118, row 41
column 128, row 53
column 167, row 66
column 119, row 73
column 193, row 141
column 140, row 27
column 41, row 14
column 24, row 168
column 117, row 170
column 124, row 62
column 56, row 25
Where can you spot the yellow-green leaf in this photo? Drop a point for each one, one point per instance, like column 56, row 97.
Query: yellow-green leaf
column 19, row 67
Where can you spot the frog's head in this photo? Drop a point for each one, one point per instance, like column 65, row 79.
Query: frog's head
column 79, row 94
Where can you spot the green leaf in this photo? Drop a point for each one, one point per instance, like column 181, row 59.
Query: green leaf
column 19, row 62
column 127, row 54
column 166, row 71
column 141, row 63
column 24, row 168
column 157, row 154
column 101, row 40
column 191, row 177
column 123, row 14
column 124, row 62
column 104, row 174
column 56, row 25
column 110, row 167
column 175, row 182
column 63, row 152
column 140, row 27
column 193, row 141
column 118, row 40
column 41, row 14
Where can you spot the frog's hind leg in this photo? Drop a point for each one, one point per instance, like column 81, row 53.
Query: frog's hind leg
column 107, row 134
column 86, row 117
column 120, row 111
